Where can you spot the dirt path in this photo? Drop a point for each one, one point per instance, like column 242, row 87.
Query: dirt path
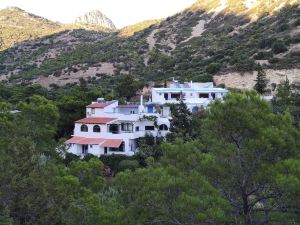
column 197, row 30
column 151, row 40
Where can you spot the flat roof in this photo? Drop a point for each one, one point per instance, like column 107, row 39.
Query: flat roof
column 128, row 106
column 202, row 90
column 100, row 105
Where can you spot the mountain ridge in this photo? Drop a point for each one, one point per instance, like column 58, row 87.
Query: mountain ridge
column 202, row 42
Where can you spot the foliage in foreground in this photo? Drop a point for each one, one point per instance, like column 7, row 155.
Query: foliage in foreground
column 242, row 168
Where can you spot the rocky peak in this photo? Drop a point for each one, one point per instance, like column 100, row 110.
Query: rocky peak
column 95, row 18
column 13, row 8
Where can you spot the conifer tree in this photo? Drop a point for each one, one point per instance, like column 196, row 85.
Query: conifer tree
column 261, row 81
column 181, row 121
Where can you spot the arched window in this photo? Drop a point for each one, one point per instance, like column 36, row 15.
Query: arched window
column 96, row 129
column 163, row 127
column 84, row 128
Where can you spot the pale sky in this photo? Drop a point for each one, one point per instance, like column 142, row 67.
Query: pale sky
column 121, row 12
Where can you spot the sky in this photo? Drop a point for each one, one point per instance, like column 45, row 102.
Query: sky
column 121, row 12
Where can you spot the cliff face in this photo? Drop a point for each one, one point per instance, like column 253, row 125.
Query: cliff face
column 95, row 18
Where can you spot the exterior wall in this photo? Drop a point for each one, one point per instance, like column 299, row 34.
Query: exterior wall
column 128, row 111
column 130, row 146
column 191, row 97
column 99, row 112
column 111, row 108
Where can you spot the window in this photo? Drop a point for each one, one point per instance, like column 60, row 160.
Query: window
column 113, row 128
column 203, row 95
column 166, row 96
column 96, row 129
column 127, row 127
column 213, row 95
column 149, row 128
column 163, row 127
column 85, row 149
column 176, row 96
column 137, row 128
column 84, row 128
column 132, row 112
column 93, row 111
column 91, row 146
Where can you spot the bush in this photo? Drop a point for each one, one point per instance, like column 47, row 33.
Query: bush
column 262, row 55
column 297, row 22
column 69, row 158
column 274, row 60
column 283, row 27
column 113, row 160
column 213, row 68
column 128, row 165
column 279, row 47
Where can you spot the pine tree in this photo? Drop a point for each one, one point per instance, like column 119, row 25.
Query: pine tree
column 261, row 81
column 181, row 121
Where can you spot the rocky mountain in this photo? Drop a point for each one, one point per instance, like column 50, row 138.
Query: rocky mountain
column 95, row 18
column 213, row 40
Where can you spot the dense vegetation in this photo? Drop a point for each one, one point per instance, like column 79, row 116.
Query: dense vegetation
column 235, row 163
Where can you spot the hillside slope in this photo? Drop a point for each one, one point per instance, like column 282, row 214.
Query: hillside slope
column 213, row 39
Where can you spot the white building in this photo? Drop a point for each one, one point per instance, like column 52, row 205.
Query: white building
column 196, row 95
column 110, row 128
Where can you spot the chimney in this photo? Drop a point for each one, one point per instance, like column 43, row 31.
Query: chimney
column 142, row 100
column 141, row 106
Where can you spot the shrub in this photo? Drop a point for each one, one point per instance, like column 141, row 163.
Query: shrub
column 274, row 60
column 128, row 165
column 279, row 47
column 213, row 68
column 113, row 160
column 283, row 27
column 297, row 22
column 262, row 55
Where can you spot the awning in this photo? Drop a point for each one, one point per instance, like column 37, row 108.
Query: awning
column 112, row 143
column 103, row 142
column 85, row 141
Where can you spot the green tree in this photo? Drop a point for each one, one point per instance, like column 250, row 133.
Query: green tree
column 279, row 47
column 247, row 140
column 181, row 122
column 166, row 196
column 127, row 87
column 5, row 217
column 261, row 81
column 89, row 173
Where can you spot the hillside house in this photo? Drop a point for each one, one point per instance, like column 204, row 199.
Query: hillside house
column 195, row 95
column 110, row 128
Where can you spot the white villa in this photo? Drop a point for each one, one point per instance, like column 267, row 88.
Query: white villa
column 196, row 95
column 110, row 128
